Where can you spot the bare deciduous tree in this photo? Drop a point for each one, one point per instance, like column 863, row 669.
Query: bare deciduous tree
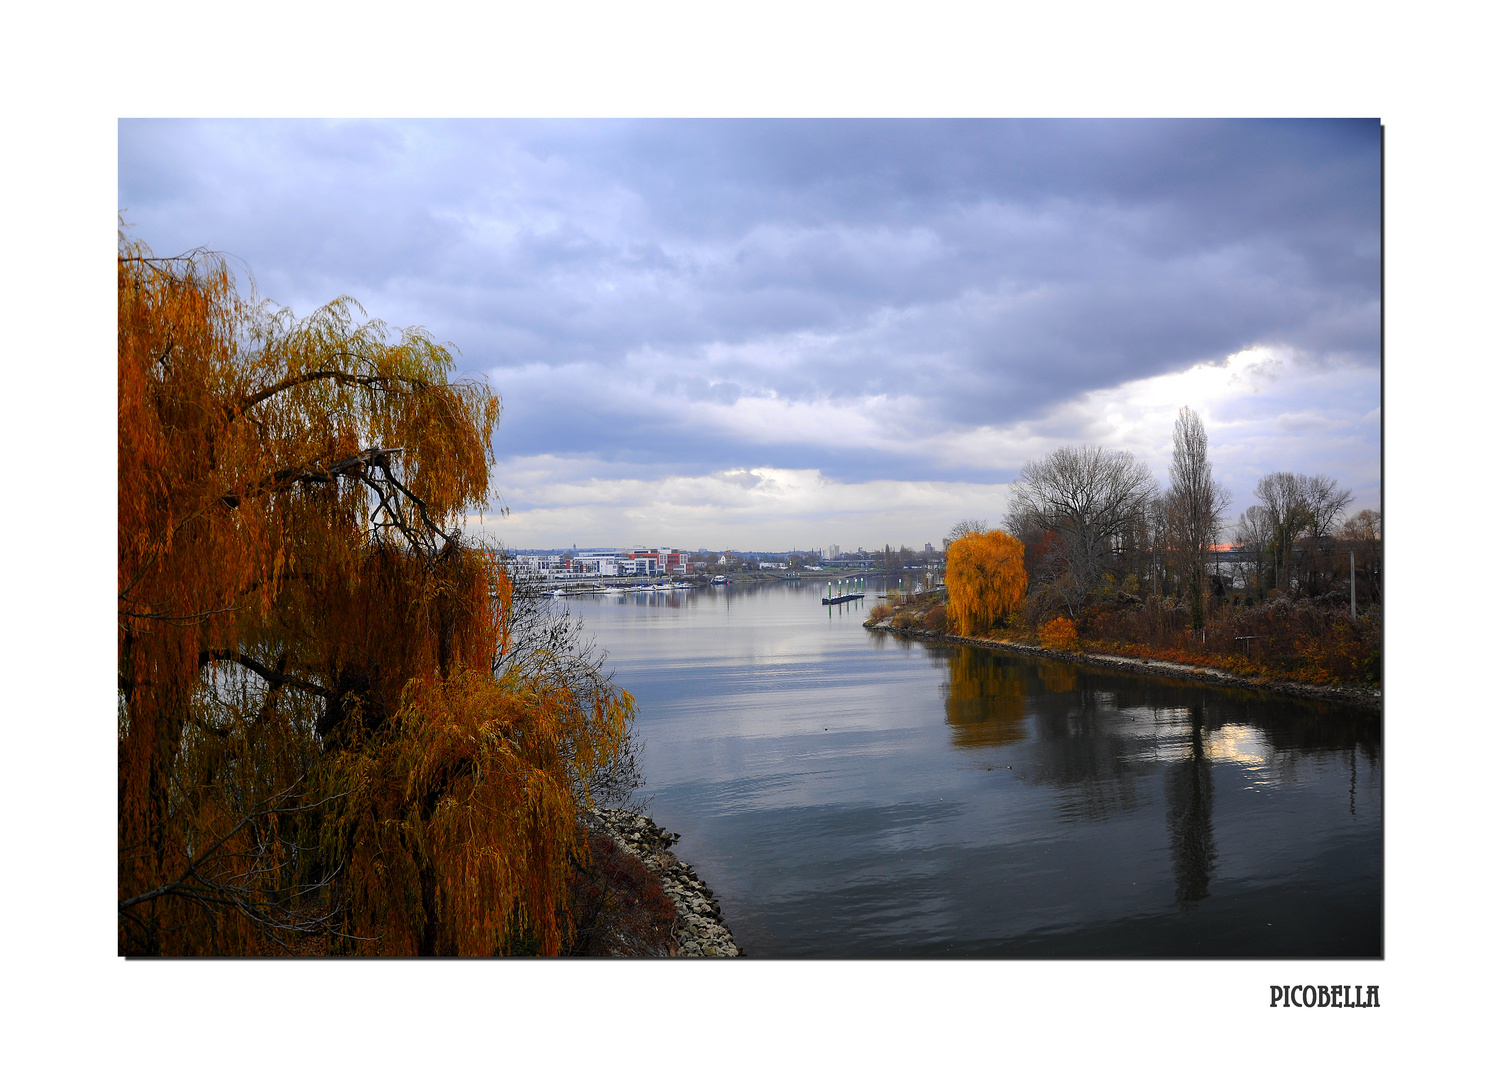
column 1362, row 534
column 1298, row 506
column 961, row 528
column 1089, row 498
column 1254, row 533
column 1324, row 500
column 546, row 642
column 1284, row 511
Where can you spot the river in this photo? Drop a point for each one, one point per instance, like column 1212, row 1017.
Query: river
column 852, row 794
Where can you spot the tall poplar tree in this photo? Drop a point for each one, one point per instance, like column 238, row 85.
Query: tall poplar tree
column 1194, row 506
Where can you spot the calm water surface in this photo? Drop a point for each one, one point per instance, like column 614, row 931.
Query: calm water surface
column 849, row 794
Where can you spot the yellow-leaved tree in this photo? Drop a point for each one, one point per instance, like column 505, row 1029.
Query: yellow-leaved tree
column 984, row 579
column 322, row 746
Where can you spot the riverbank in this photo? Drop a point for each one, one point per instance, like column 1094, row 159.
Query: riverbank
column 697, row 928
column 1368, row 698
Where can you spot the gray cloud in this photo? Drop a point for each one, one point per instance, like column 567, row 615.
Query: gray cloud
column 616, row 279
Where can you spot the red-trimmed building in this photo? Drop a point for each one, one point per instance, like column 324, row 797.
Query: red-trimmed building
column 659, row 560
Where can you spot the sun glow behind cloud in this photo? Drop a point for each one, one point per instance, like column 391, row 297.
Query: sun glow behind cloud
column 557, row 500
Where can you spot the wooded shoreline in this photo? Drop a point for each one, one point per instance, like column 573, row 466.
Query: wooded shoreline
column 1367, row 698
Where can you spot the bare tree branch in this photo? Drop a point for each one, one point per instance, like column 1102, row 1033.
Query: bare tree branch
column 275, row 678
column 345, row 378
column 285, row 478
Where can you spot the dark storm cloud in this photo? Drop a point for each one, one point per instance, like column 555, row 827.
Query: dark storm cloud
column 987, row 269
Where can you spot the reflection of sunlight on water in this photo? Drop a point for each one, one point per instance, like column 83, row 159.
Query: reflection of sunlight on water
column 1249, row 747
column 785, row 654
column 1238, row 743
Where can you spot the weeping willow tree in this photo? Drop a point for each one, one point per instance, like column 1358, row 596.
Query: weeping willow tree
column 984, row 579
column 320, row 747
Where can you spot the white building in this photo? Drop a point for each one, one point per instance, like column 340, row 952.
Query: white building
column 596, row 563
column 535, row 566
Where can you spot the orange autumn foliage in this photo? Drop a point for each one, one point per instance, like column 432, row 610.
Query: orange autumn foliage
column 984, row 579
column 1059, row 633
column 314, row 754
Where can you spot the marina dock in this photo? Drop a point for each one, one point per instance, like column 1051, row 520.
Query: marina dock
column 835, row 591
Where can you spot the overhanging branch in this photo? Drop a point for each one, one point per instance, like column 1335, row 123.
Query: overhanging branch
column 283, row 479
column 275, row 678
column 344, row 378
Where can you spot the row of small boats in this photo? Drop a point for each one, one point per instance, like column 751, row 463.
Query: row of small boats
column 666, row 586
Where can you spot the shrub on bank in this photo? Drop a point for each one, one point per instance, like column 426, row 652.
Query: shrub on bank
column 619, row 908
column 1058, row 633
column 1292, row 639
column 1300, row 640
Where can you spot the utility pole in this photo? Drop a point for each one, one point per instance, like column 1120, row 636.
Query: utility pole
column 1352, row 582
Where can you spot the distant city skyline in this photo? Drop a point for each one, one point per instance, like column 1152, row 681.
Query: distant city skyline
column 753, row 334
column 830, row 551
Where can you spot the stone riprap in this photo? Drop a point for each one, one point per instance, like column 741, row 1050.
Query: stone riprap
column 699, row 930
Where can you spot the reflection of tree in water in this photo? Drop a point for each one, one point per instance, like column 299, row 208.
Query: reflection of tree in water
column 1058, row 678
column 1083, row 745
column 986, row 701
column 1188, row 797
column 1093, row 736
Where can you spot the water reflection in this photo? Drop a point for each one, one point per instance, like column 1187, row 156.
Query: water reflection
column 1057, row 678
column 1241, row 744
column 1088, row 749
column 1188, row 815
column 1035, row 809
column 986, row 702
column 1352, row 789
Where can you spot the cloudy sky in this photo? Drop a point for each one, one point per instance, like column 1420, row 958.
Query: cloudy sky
column 799, row 333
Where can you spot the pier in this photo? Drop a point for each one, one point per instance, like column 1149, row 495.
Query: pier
column 835, row 592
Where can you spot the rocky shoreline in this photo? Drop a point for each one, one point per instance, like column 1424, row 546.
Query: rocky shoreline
column 699, row 929
column 1350, row 695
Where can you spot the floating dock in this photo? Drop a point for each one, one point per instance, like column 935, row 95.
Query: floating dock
column 835, row 591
